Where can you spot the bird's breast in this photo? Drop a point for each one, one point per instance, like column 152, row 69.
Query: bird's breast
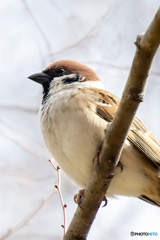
column 72, row 133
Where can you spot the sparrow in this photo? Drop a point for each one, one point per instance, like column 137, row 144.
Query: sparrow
column 73, row 116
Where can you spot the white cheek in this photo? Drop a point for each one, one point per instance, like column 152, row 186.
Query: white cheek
column 96, row 84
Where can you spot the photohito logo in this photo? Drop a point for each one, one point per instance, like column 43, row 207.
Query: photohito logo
column 144, row 234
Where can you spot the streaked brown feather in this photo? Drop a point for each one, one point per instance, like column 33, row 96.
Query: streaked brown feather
column 144, row 140
column 139, row 134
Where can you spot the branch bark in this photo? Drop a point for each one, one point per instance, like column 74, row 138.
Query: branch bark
column 147, row 44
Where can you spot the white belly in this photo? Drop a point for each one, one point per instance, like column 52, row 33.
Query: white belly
column 73, row 136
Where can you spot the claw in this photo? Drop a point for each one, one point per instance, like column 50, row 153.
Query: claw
column 121, row 166
column 105, row 200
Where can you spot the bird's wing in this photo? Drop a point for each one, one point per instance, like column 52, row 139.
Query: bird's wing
column 139, row 134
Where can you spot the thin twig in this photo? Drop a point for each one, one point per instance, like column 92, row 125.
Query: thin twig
column 18, row 108
column 24, row 141
column 27, row 219
column 58, row 187
column 37, row 26
column 109, row 13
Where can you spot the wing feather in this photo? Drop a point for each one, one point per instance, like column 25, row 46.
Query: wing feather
column 139, row 134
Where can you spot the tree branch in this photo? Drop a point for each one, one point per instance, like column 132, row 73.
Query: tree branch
column 116, row 132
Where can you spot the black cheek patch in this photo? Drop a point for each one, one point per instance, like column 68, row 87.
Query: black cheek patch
column 71, row 79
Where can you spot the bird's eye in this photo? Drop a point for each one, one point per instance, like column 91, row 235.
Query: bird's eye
column 60, row 70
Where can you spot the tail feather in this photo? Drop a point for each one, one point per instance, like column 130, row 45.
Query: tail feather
column 149, row 200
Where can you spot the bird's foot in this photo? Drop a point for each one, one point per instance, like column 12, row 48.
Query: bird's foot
column 78, row 196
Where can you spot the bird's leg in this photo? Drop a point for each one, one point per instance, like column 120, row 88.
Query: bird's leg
column 95, row 164
column 96, row 158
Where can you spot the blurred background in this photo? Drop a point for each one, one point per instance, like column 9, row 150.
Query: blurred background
column 33, row 34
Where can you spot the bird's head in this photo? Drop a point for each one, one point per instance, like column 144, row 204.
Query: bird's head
column 62, row 73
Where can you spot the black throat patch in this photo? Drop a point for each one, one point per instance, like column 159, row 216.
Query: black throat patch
column 45, row 92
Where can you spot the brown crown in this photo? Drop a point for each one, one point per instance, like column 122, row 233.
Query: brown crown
column 74, row 67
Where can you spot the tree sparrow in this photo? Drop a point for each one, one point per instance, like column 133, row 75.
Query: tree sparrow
column 74, row 113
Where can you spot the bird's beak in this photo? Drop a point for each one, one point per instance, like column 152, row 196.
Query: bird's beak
column 40, row 77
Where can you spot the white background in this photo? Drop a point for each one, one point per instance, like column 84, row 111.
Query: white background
column 33, row 34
